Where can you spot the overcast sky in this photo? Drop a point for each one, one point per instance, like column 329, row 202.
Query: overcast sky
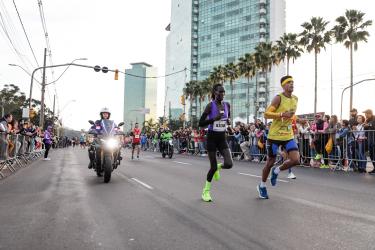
column 115, row 33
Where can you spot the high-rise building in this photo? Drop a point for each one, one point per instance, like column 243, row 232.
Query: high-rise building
column 207, row 33
column 140, row 97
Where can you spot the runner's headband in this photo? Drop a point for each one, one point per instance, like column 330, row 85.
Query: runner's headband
column 288, row 80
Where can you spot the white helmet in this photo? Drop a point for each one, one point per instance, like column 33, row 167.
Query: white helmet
column 105, row 110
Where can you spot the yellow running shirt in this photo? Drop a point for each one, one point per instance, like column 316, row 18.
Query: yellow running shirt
column 281, row 128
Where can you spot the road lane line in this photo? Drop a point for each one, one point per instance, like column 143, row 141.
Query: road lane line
column 257, row 176
column 142, row 183
column 184, row 163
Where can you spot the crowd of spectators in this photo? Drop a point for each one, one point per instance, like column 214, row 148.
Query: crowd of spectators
column 18, row 135
column 324, row 142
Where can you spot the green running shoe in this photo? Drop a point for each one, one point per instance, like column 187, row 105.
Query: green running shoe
column 206, row 196
column 323, row 166
column 318, row 157
column 217, row 173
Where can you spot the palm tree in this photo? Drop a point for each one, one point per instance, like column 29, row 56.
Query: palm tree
column 206, row 87
column 231, row 73
column 289, row 48
column 188, row 93
column 247, row 68
column 314, row 38
column 350, row 29
column 218, row 74
column 265, row 56
column 149, row 125
column 198, row 93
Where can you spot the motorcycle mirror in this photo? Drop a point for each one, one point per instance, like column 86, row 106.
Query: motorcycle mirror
column 121, row 124
column 91, row 122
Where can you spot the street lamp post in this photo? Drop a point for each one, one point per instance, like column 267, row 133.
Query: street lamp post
column 342, row 93
column 27, row 72
column 44, row 84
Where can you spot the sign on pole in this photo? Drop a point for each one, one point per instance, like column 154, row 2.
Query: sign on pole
column 25, row 113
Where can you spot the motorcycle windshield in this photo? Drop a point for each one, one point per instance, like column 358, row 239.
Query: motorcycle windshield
column 108, row 127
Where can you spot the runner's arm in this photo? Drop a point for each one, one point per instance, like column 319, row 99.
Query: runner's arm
column 203, row 122
column 270, row 112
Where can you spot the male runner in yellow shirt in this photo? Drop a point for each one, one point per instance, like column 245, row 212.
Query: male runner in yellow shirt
column 282, row 110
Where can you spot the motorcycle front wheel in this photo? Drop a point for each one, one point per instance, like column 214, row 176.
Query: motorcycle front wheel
column 170, row 152
column 107, row 168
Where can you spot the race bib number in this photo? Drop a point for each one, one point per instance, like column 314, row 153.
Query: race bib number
column 220, row 126
column 136, row 136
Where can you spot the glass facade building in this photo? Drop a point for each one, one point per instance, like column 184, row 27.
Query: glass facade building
column 140, row 97
column 222, row 31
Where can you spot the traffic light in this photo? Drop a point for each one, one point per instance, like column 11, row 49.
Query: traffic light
column 182, row 100
column 116, row 74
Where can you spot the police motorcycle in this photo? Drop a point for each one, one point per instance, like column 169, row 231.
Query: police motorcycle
column 106, row 147
column 167, row 149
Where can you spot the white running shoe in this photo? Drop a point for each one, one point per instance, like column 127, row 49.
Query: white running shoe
column 291, row 176
column 46, row 159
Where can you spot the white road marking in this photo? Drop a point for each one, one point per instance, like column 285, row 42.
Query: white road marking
column 257, row 176
column 179, row 162
column 143, row 184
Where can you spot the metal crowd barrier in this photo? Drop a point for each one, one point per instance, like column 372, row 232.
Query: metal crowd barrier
column 348, row 151
column 17, row 151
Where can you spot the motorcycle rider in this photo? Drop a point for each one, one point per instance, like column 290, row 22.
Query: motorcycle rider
column 165, row 136
column 104, row 126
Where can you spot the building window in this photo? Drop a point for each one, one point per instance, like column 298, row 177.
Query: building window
column 232, row 31
column 231, row 59
column 205, row 73
column 233, row 3
column 218, row 17
column 217, row 26
column 234, row 12
column 205, row 55
column 246, row 38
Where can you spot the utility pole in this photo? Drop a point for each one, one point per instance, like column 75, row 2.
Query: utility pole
column 2, row 107
column 331, row 83
column 170, row 113
column 53, row 112
column 165, row 100
column 41, row 120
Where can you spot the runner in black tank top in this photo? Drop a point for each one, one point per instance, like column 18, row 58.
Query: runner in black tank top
column 217, row 117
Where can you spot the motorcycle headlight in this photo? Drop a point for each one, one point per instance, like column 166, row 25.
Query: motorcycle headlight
column 111, row 143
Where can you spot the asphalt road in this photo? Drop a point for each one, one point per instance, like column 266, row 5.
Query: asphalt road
column 154, row 203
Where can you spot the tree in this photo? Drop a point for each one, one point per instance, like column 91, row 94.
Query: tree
column 163, row 121
column 315, row 37
column 204, row 91
column 231, row 73
column 350, row 30
column 265, row 56
column 218, row 74
column 188, row 92
column 247, row 68
column 149, row 125
column 12, row 100
column 289, row 48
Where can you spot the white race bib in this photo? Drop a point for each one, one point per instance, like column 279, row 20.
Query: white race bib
column 220, row 126
column 136, row 136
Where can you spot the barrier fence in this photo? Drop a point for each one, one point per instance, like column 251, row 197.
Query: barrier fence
column 18, row 151
column 348, row 150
